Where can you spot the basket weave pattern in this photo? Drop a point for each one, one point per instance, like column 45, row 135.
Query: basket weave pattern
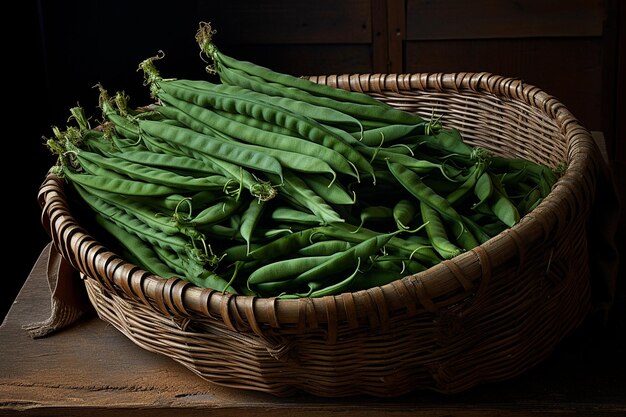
column 486, row 315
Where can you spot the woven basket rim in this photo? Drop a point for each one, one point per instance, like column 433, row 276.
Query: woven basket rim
column 462, row 275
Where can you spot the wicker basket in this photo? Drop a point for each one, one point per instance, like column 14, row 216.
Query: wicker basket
column 487, row 315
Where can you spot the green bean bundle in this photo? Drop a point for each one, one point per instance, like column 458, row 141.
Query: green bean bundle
column 271, row 185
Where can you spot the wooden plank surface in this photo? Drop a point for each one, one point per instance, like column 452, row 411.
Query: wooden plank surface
column 396, row 27
column 268, row 22
column 92, row 369
column 482, row 19
column 380, row 37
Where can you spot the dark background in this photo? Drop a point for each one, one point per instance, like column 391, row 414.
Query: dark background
column 572, row 49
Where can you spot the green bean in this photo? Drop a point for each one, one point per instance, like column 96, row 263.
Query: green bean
column 293, row 160
column 235, row 173
column 319, row 113
column 494, row 228
column 502, row 206
column 516, row 164
column 298, row 162
column 174, row 262
column 204, row 38
column 235, row 219
column 374, row 111
column 483, row 189
column 118, row 185
column 288, row 159
column 401, row 148
column 389, row 133
column 133, row 207
column 417, row 239
column 171, row 162
column 170, row 110
column 413, row 184
column 132, row 224
column 280, row 230
column 443, row 186
column 268, row 289
column 250, row 219
column 101, row 145
column 404, row 212
column 514, row 177
column 173, row 110
column 373, row 278
column 383, row 178
column 529, row 202
column 331, row 191
column 257, row 123
column 375, row 213
column 172, row 202
column 239, row 253
column 140, row 172
column 285, row 245
column 317, row 288
column 437, row 233
column 448, row 141
column 122, row 125
column 265, row 111
column 193, row 118
column 124, row 144
column 289, row 215
column 160, row 146
column 326, row 247
column 284, row 269
column 219, row 231
column 396, row 263
column 295, row 188
column 213, row 147
column 343, row 260
column 224, row 61
column 195, row 273
column 304, row 127
column 263, row 138
column 219, row 211
column 90, row 167
column 419, row 166
column 469, row 184
column 411, row 249
column 172, row 122
column 144, row 255
column 481, row 235
column 545, row 181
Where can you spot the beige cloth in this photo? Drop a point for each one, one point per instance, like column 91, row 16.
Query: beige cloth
column 68, row 301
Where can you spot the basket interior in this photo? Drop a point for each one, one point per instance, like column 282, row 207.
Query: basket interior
column 504, row 126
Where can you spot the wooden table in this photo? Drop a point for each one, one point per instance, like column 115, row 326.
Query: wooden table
column 92, row 369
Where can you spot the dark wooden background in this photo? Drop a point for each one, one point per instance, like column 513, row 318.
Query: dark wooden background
column 572, row 49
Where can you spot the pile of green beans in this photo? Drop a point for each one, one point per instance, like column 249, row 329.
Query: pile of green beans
column 270, row 185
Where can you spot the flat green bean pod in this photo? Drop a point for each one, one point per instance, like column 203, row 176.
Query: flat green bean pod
column 213, row 147
column 144, row 255
column 259, row 137
column 296, row 188
column 346, row 259
column 119, row 185
column 285, row 269
column 319, row 113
